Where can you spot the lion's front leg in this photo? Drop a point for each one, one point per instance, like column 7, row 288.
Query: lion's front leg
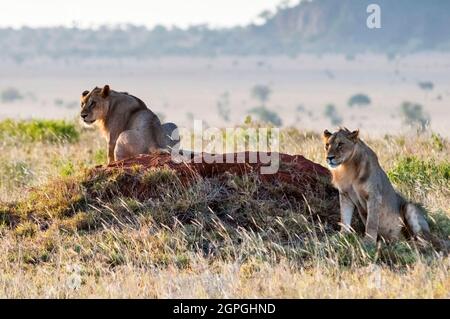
column 347, row 209
column 111, row 147
column 110, row 153
column 373, row 218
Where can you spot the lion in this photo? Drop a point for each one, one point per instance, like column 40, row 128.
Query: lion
column 129, row 127
column 363, row 185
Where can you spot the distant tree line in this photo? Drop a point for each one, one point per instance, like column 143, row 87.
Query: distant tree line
column 311, row 26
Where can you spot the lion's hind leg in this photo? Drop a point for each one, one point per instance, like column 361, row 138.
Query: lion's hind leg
column 129, row 144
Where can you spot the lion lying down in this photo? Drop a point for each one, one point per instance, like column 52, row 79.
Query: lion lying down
column 129, row 127
column 364, row 186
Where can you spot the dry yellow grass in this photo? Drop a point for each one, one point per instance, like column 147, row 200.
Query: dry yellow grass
column 228, row 280
column 133, row 256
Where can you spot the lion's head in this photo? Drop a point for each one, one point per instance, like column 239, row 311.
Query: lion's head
column 339, row 146
column 95, row 104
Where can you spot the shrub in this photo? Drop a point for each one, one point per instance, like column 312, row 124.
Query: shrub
column 261, row 93
column 350, row 57
column 11, row 95
column 332, row 113
column 39, row 130
column 426, row 85
column 58, row 102
column 223, row 106
column 414, row 115
column 266, row 115
column 359, row 100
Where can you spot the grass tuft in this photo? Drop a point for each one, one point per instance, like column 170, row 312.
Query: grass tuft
column 51, row 131
column 410, row 171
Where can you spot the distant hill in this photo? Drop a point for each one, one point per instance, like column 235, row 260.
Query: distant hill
column 329, row 25
column 312, row 26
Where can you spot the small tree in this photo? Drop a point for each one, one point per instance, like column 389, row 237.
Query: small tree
column 332, row 113
column 299, row 109
column 359, row 100
column 11, row 95
column 266, row 115
column 261, row 93
column 426, row 85
column 59, row 102
column 223, row 106
column 414, row 115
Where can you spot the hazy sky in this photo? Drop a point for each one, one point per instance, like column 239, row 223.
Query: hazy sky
column 85, row 13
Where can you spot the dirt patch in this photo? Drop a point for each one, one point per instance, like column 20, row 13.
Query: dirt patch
column 299, row 185
column 194, row 191
column 293, row 169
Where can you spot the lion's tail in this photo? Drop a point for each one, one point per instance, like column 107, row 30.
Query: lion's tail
column 418, row 227
column 171, row 136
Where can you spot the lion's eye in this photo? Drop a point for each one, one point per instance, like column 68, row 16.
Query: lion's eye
column 340, row 145
column 327, row 146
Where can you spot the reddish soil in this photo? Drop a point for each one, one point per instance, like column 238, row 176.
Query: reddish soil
column 293, row 169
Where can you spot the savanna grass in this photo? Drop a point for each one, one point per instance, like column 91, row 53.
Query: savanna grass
column 68, row 231
column 39, row 130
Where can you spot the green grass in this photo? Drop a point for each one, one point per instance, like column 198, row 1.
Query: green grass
column 412, row 171
column 440, row 223
column 39, row 130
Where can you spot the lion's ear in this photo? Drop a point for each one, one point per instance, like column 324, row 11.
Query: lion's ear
column 354, row 135
column 83, row 97
column 326, row 135
column 105, row 91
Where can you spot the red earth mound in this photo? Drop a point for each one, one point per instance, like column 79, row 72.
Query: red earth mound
column 293, row 169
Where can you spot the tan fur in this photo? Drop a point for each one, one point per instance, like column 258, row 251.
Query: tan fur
column 128, row 126
column 363, row 185
column 102, row 127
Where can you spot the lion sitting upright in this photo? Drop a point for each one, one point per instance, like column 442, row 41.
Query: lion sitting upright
column 364, row 186
column 129, row 127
